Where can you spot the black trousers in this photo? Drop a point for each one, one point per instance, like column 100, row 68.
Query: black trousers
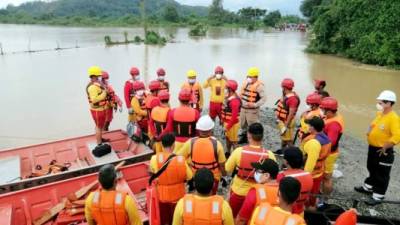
column 379, row 167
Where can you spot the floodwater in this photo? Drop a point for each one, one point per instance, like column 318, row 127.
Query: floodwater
column 43, row 94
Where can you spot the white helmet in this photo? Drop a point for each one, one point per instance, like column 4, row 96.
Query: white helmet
column 205, row 123
column 387, row 95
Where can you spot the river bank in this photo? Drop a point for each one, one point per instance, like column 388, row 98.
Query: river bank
column 352, row 163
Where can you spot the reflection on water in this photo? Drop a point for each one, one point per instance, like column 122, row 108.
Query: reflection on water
column 43, row 96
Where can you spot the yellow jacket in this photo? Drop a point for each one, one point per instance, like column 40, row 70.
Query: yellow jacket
column 217, row 89
column 384, row 128
column 139, row 112
column 97, row 97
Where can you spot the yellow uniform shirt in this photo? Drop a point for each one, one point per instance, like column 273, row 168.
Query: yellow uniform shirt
column 217, row 89
column 240, row 186
column 311, row 148
column 154, row 167
column 255, row 213
column 96, row 95
column 227, row 217
column 138, row 112
column 185, row 151
column 130, row 208
column 384, row 128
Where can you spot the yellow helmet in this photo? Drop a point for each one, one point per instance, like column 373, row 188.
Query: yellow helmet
column 94, row 71
column 191, row 73
column 253, row 72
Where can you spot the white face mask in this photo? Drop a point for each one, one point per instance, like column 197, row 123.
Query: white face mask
column 379, row 107
column 257, row 177
column 140, row 93
column 218, row 76
column 226, row 92
column 249, row 80
column 160, row 78
column 136, row 77
column 192, row 81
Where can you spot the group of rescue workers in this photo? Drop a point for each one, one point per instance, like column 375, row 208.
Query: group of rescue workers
column 186, row 152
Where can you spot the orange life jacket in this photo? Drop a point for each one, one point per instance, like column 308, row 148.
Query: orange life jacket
column 306, row 181
column 227, row 110
column 195, row 91
column 268, row 215
column 338, row 119
column 151, row 101
column 204, row 154
column 108, row 208
column 249, row 92
column 267, row 193
column 282, row 109
column 184, row 121
column 171, row 183
column 202, row 211
column 164, row 85
column 97, row 104
column 324, row 152
column 249, row 155
column 159, row 115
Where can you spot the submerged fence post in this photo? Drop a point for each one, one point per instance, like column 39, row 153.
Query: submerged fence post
column 58, row 45
column 1, row 49
column 76, row 44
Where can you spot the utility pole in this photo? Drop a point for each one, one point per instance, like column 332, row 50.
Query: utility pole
column 143, row 14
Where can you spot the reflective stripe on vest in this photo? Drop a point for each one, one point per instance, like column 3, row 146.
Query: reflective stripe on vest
column 282, row 109
column 171, row 183
column 108, row 208
column 272, row 216
column 204, row 153
column 227, row 110
column 97, row 104
column 184, row 122
column 249, row 155
column 249, row 92
column 202, row 210
column 306, row 181
column 266, row 193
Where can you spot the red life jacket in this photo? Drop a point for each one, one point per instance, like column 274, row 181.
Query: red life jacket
column 227, row 110
column 184, row 121
column 337, row 119
column 249, row 155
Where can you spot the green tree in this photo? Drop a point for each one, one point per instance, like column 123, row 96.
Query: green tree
column 171, row 13
column 216, row 12
column 272, row 18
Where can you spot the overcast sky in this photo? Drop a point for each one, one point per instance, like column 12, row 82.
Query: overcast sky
column 285, row 6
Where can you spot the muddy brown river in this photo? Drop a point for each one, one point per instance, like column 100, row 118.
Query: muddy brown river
column 43, row 94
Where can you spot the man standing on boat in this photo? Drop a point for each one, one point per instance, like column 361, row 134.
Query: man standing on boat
column 203, row 207
column 217, row 84
column 109, row 206
column 97, row 97
column 383, row 135
column 113, row 101
column 253, row 97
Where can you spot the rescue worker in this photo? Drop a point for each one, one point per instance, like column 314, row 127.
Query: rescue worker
column 285, row 113
column 113, row 101
column 196, row 91
column 319, row 86
column 334, row 128
column 241, row 159
column 129, row 92
column 171, row 182
column 203, row 207
column 293, row 161
column 152, row 101
column 158, row 119
column 230, row 115
column 265, row 191
column 289, row 191
column 313, row 102
column 217, row 84
column 139, row 111
column 205, row 151
column 383, row 135
column 97, row 97
column 253, row 97
column 316, row 147
column 109, row 206
column 182, row 120
column 164, row 85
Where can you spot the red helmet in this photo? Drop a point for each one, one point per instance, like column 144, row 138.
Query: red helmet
column 134, row 71
column 232, row 84
column 219, row 70
column 161, row 72
column 163, row 95
column 154, row 85
column 319, row 83
column 329, row 103
column 313, row 98
column 287, row 83
column 185, row 95
column 104, row 75
column 138, row 85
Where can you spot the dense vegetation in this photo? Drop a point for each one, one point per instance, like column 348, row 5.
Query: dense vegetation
column 128, row 13
column 365, row 30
